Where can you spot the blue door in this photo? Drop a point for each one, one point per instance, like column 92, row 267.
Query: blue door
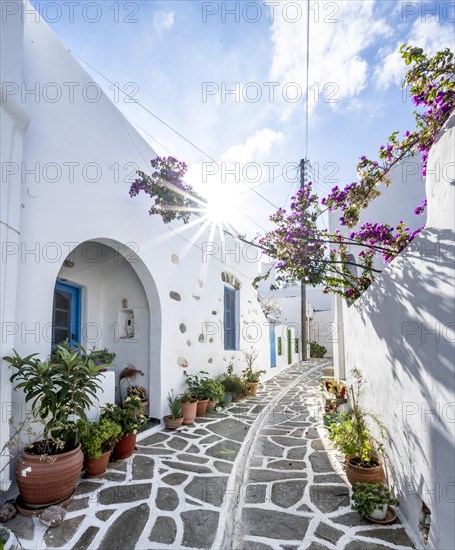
column 66, row 314
column 272, row 345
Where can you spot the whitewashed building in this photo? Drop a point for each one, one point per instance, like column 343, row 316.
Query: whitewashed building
column 80, row 258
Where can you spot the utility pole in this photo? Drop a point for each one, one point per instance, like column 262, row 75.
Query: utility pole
column 303, row 322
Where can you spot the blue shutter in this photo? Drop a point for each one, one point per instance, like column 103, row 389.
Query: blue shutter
column 229, row 318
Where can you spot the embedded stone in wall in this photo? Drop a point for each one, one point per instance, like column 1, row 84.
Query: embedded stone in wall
column 210, row 360
column 175, row 296
column 211, row 340
column 231, row 279
column 214, row 312
column 201, row 338
column 200, row 283
column 188, row 343
column 175, row 259
column 196, row 297
column 182, row 328
column 182, row 362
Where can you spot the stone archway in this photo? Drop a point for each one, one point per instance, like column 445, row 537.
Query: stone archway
column 113, row 280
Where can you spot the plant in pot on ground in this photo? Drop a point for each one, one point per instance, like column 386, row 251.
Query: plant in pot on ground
column 175, row 419
column 188, row 405
column 197, row 386
column 138, row 391
column 371, row 500
column 250, row 376
column 317, row 351
column 59, row 391
column 97, row 441
column 334, row 393
column 215, row 391
column 130, row 418
column 233, row 385
column 351, row 435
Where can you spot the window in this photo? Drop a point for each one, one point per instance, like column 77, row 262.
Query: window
column 66, row 314
column 230, row 318
column 296, row 345
column 280, row 345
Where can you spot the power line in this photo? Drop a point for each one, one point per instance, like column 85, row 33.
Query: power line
column 169, row 126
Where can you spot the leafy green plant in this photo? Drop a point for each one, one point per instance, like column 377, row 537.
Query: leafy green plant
column 367, row 497
column 186, row 397
column 248, row 374
column 317, row 351
column 214, row 389
column 59, row 391
column 351, row 434
column 98, row 437
column 175, row 405
column 129, row 415
column 197, row 384
column 231, row 382
column 102, row 356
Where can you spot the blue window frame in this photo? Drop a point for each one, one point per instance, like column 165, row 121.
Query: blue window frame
column 230, row 318
column 66, row 314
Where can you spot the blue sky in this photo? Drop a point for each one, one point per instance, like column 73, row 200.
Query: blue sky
column 183, row 55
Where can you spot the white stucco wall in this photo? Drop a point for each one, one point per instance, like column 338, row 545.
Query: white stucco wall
column 401, row 335
column 324, row 330
column 71, row 189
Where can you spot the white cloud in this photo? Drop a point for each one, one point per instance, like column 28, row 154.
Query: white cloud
column 163, row 21
column 256, row 147
column 429, row 35
column 338, row 41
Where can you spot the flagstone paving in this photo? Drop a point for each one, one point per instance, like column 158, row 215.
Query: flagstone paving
column 257, row 476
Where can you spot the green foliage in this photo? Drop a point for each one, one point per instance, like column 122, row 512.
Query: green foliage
column 186, row 397
column 102, row 356
column 249, row 374
column 98, row 437
column 232, row 382
column 215, row 390
column 197, row 384
column 175, row 405
column 367, row 497
column 317, row 350
column 129, row 415
column 350, row 432
column 58, row 391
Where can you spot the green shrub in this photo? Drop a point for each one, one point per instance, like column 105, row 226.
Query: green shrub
column 98, row 437
column 317, row 350
column 367, row 497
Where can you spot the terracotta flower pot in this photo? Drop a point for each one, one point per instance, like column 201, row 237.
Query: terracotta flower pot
column 125, row 447
column 97, row 466
column 46, row 482
column 172, row 423
column 359, row 474
column 189, row 412
column 253, row 387
column 211, row 405
column 201, row 407
column 145, row 404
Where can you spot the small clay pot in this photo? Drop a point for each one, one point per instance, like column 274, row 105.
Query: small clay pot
column 125, row 447
column 173, row 423
column 359, row 474
column 189, row 412
column 96, row 466
column 201, row 407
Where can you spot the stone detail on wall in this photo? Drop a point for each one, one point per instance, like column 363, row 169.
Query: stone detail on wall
column 200, row 282
column 175, row 259
column 188, row 343
column 182, row 362
column 196, row 297
column 175, row 296
column 210, row 359
column 201, row 338
column 182, row 328
column 214, row 312
column 231, row 280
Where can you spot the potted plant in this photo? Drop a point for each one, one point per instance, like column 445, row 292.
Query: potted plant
column 140, row 392
column 197, row 386
column 351, row 435
column 371, row 501
column 175, row 419
column 97, row 441
column 188, row 405
column 130, row 418
column 60, row 391
column 102, row 357
column 215, row 391
column 250, row 376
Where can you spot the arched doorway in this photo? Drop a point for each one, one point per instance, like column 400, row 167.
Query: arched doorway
column 105, row 297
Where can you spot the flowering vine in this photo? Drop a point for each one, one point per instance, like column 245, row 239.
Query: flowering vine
column 173, row 198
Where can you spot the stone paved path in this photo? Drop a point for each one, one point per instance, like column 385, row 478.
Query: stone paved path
column 257, row 476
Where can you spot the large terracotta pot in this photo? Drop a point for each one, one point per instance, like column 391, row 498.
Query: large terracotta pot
column 125, row 447
column 201, row 407
column 211, row 405
column 189, row 412
column 46, row 482
column 97, row 466
column 357, row 474
column 172, row 423
column 253, row 387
